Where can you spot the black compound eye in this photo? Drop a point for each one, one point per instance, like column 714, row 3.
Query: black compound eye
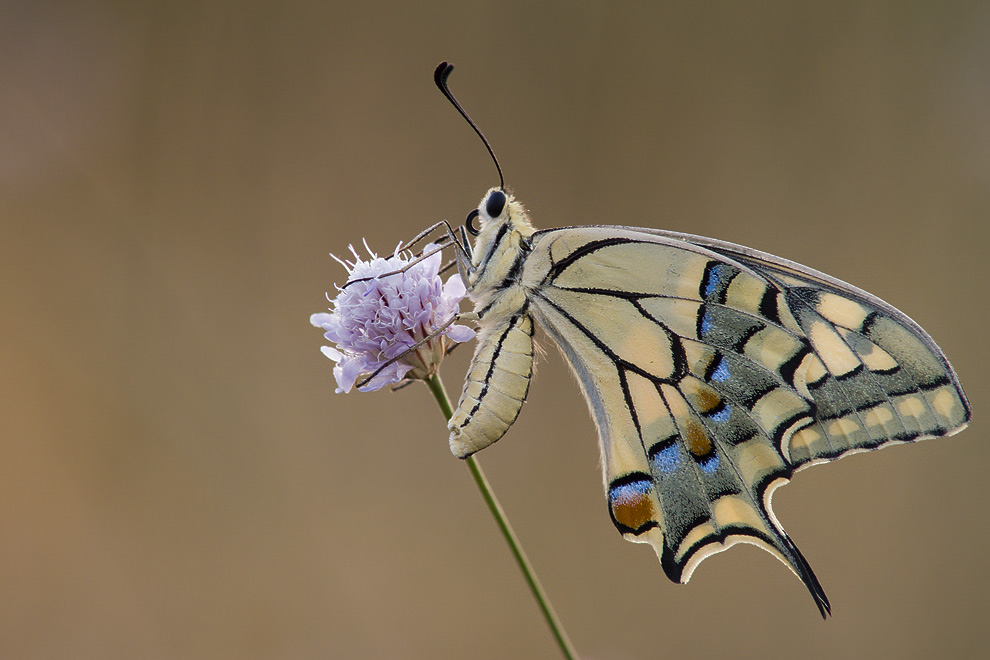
column 469, row 223
column 495, row 204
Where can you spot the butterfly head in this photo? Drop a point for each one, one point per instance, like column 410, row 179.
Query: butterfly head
column 500, row 227
column 497, row 209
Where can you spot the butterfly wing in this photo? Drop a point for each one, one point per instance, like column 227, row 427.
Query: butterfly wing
column 876, row 359
column 713, row 375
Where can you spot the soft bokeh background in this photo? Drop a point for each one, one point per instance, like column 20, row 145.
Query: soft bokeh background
column 177, row 479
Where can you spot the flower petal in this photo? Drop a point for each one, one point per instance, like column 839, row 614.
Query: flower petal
column 347, row 371
column 320, row 319
column 393, row 373
column 454, row 288
column 460, row 333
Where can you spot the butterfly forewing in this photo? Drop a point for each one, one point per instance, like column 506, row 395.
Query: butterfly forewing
column 876, row 376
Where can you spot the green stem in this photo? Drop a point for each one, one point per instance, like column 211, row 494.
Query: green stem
column 436, row 387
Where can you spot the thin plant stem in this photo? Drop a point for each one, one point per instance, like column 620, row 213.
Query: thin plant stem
column 436, row 387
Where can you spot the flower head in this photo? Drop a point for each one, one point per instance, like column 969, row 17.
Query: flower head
column 381, row 318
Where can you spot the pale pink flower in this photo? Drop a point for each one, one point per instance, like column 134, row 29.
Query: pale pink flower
column 375, row 320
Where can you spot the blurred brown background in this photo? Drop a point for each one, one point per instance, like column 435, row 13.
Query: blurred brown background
column 177, row 479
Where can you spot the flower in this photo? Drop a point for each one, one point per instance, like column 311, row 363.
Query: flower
column 377, row 319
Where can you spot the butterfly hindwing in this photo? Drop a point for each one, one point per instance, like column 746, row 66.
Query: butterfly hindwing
column 711, row 379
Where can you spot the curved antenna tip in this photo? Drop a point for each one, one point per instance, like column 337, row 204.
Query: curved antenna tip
column 442, row 72
column 440, row 75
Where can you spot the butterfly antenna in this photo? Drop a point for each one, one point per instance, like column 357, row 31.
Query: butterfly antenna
column 440, row 78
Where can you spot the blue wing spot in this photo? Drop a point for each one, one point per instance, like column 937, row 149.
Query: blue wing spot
column 706, row 323
column 722, row 414
column 709, row 464
column 712, row 284
column 631, row 492
column 667, row 459
column 721, row 373
column 716, row 275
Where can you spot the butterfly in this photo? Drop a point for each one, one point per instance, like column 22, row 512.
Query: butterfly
column 713, row 371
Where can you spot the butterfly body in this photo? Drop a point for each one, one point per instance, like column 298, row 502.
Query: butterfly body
column 712, row 371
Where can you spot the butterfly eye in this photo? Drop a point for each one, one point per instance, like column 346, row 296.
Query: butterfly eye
column 495, row 204
column 469, row 222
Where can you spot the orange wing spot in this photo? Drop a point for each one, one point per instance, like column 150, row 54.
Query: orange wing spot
column 696, row 438
column 632, row 505
column 703, row 398
column 634, row 514
column 707, row 400
column 691, row 430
